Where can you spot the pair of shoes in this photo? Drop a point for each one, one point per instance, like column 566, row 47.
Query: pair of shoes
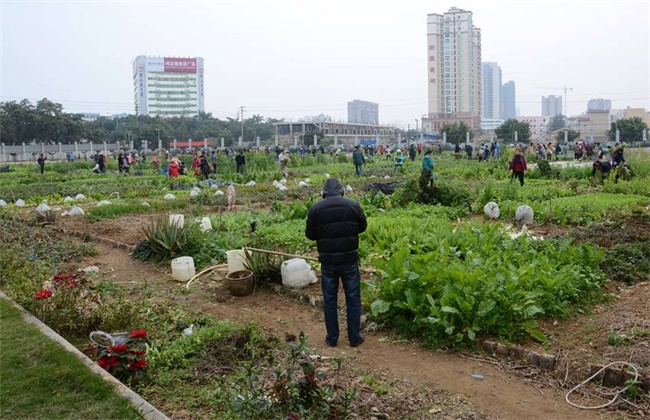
column 330, row 344
column 358, row 343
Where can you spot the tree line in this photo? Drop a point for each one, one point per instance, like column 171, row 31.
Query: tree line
column 630, row 130
column 45, row 121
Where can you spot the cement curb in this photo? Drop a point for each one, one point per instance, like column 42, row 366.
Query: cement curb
column 146, row 410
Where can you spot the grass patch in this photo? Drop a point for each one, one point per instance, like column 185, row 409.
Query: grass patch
column 40, row 380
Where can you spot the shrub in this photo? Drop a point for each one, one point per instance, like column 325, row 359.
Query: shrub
column 164, row 241
column 126, row 361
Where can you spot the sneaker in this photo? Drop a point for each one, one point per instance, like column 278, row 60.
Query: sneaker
column 358, row 343
column 330, row 344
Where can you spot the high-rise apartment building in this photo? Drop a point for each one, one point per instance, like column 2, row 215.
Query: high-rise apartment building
column 551, row 106
column 508, row 104
column 491, row 95
column 454, row 69
column 363, row 112
column 599, row 104
column 168, row 86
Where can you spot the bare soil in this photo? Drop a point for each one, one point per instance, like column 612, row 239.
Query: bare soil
column 505, row 392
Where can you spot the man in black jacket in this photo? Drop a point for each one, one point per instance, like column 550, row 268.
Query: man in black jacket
column 335, row 224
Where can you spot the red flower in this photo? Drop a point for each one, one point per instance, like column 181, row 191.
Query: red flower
column 139, row 334
column 138, row 353
column 107, row 362
column 71, row 284
column 63, row 277
column 43, row 294
column 118, row 348
column 138, row 364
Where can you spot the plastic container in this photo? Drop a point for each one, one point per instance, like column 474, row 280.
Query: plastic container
column 183, row 268
column 296, row 273
column 236, row 260
column 177, row 219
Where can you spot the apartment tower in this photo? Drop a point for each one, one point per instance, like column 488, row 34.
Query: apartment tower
column 454, row 69
column 551, row 106
column 491, row 95
column 508, row 104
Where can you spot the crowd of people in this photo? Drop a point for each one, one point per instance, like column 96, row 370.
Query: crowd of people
column 204, row 163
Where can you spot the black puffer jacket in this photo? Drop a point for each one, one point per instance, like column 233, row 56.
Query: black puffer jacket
column 335, row 224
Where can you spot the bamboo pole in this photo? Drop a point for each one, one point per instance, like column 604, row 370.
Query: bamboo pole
column 282, row 254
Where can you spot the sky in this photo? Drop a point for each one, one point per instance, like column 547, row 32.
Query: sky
column 290, row 59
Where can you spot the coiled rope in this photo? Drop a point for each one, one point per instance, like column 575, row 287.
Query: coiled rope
column 616, row 394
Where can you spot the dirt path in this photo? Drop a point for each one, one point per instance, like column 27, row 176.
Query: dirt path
column 500, row 394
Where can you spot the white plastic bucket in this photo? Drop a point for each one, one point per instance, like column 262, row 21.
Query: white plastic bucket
column 177, row 219
column 183, row 268
column 236, row 260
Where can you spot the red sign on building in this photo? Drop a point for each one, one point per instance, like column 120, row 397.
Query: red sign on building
column 180, row 65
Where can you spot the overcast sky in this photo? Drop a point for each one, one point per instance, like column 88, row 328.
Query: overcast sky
column 289, row 59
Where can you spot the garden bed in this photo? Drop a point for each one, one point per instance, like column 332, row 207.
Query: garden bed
column 435, row 275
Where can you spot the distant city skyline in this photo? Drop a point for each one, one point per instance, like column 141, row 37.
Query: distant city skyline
column 267, row 57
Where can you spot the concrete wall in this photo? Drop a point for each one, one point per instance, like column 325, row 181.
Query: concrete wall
column 29, row 152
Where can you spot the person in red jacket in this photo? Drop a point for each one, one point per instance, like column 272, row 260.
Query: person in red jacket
column 174, row 168
column 518, row 166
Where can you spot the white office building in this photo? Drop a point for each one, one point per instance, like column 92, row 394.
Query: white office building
column 363, row 112
column 168, row 86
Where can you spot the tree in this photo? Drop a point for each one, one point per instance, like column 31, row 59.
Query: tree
column 630, row 129
column 557, row 122
column 506, row 131
column 572, row 135
column 456, row 132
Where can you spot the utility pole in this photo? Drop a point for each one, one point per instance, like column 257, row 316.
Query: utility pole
column 566, row 111
column 241, row 109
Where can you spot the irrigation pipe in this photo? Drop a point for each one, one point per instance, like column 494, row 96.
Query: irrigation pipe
column 616, row 394
column 187, row 286
column 264, row 251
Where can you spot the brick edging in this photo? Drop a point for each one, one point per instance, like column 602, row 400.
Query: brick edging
column 610, row 376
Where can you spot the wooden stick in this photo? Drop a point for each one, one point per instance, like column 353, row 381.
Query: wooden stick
column 264, row 251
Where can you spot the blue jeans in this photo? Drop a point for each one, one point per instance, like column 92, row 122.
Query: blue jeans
column 351, row 279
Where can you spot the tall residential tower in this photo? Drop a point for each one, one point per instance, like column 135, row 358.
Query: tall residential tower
column 508, row 104
column 454, row 69
column 491, row 73
column 168, row 86
column 551, row 106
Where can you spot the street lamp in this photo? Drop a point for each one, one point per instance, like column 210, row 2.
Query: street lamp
column 241, row 108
